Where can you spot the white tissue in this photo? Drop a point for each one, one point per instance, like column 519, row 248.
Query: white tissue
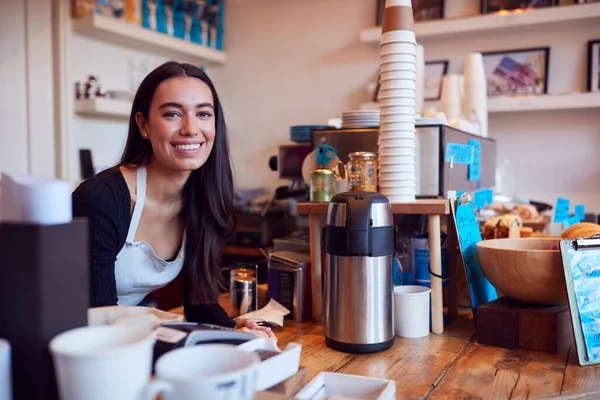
column 26, row 199
column 5, row 374
column 273, row 312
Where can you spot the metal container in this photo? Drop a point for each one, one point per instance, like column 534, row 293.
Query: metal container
column 243, row 294
column 359, row 245
column 322, row 185
column 289, row 283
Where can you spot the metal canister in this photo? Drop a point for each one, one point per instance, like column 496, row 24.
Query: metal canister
column 289, row 283
column 322, row 185
column 362, row 171
column 243, row 294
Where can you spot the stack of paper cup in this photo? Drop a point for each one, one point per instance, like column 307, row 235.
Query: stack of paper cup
column 474, row 102
column 398, row 75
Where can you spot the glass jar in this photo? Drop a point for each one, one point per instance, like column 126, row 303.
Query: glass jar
column 322, row 185
column 362, row 171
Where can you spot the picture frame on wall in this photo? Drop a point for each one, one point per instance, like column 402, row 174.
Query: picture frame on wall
column 491, row 6
column 423, row 10
column 434, row 72
column 517, row 72
column 593, row 76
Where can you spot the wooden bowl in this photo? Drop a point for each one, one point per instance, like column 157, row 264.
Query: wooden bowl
column 524, row 269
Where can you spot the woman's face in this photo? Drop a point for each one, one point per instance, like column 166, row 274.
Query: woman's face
column 180, row 124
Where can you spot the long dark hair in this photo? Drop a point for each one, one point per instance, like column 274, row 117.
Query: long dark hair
column 208, row 209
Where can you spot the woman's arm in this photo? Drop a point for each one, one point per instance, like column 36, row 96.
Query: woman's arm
column 97, row 201
column 208, row 314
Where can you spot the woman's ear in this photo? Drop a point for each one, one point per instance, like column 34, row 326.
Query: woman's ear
column 142, row 124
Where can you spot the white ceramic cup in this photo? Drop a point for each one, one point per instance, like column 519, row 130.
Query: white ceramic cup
column 406, row 118
column 397, row 159
column 397, row 130
column 391, row 168
column 396, row 93
column 398, row 48
column 398, row 151
column 393, row 58
column 400, row 183
column 399, row 84
column 102, row 362
column 411, row 311
column 393, row 75
column 396, row 101
column 398, row 36
column 395, row 176
column 398, row 66
column 211, row 372
column 397, row 142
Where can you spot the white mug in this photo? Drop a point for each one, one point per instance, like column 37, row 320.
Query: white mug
column 103, row 362
column 211, row 371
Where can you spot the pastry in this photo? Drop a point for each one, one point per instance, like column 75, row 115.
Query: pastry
column 500, row 227
column 525, row 211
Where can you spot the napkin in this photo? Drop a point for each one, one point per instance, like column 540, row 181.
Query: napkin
column 273, row 313
column 27, row 199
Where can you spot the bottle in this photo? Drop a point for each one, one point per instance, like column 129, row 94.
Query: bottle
column 362, row 172
column 322, row 185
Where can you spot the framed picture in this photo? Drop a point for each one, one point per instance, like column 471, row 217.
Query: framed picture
column 434, row 72
column 516, row 72
column 423, row 10
column 490, row 6
column 593, row 78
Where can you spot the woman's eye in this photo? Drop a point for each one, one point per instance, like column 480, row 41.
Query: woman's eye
column 204, row 114
column 171, row 114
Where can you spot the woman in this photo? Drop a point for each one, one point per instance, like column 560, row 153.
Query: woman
column 167, row 207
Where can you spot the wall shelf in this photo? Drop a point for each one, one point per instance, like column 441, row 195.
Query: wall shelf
column 110, row 29
column 104, row 108
column 496, row 22
column 544, row 102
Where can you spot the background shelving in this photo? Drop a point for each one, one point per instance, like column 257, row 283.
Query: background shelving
column 103, row 107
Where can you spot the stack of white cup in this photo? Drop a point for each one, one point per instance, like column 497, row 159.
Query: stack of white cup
column 397, row 139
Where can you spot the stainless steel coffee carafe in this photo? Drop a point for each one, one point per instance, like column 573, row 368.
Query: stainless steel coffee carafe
column 359, row 240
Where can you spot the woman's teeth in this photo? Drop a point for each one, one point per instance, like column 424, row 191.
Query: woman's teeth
column 188, row 146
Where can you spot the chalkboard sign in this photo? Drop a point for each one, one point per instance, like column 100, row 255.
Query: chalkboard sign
column 467, row 228
column 581, row 264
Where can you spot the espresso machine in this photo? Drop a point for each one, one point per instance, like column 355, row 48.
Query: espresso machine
column 359, row 242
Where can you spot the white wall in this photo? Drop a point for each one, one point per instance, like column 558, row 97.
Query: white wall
column 26, row 107
column 294, row 62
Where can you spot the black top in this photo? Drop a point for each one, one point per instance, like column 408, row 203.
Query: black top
column 104, row 199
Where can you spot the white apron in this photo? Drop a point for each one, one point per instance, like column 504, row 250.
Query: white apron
column 138, row 270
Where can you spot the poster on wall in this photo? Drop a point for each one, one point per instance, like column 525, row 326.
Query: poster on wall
column 593, row 81
column 490, row 6
column 423, row 10
column 517, row 72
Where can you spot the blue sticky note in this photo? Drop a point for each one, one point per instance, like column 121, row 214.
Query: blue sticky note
column 561, row 211
column 479, row 198
column 571, row 221
column 482, row 291
column 459, row 153
column 580, row 211
column 489, row 196
column 475, row 167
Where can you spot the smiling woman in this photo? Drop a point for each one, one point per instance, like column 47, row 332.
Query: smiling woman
column 166, row 208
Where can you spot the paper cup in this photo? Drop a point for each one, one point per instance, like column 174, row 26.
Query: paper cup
column 394, row 58
column 397, row 159
column 399, row 183
column 411, row 311
column 398, row 110
column 395, row 3
column 399, row 191
column 397, row 93
column 397, row 142
column 398, row 66
column 393, row 75
column 386, row 119
column 396, row 101
column 399, row 84
column 396, row 176
column 398, row 48
column 400, row 198
column 391, row 168
column 398, row 36
column 102, row 362
column 398, row 151
column 398, row 130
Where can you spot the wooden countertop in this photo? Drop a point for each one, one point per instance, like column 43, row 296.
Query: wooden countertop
column 450, row 366
column 433, row 206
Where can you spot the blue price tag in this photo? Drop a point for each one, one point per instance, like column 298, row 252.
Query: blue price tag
column 561, row 211
column 475, row 167
column 479, row 199
column 580, row 211
column 571, row 221
column 459, row 153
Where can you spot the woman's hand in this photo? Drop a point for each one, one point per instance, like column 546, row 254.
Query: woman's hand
column 249, row 326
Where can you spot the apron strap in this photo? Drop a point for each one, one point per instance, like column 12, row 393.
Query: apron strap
column 139, row 204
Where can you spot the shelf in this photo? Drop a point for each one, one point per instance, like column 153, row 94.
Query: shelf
column 544, row 102
column 495, row 22
column 425, row 207
column 100, row 107
column 110, row 29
